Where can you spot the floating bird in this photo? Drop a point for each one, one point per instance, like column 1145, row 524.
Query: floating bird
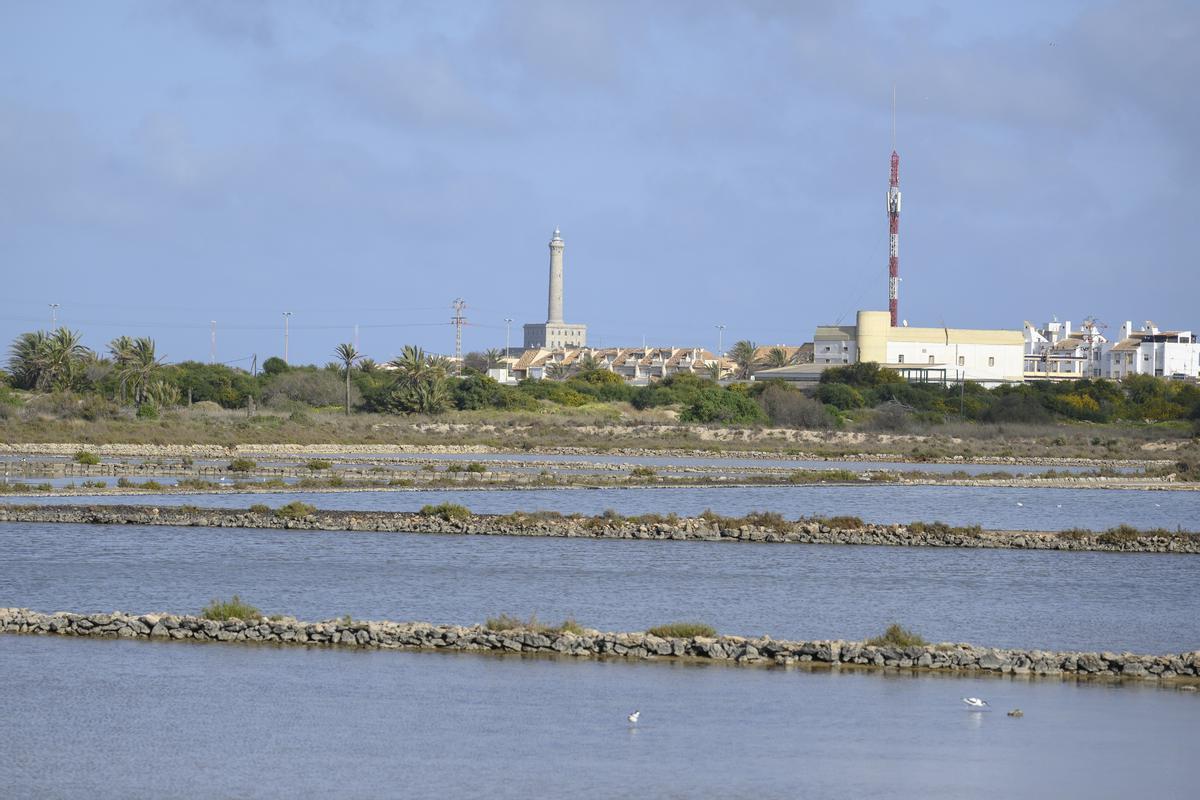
column 1059, row 505
column 1016, row 712
column 1020, row 504
column 633, row 718
column 975, row 702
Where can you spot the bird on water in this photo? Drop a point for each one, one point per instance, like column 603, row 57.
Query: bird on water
column 633, row 718
column 975, row 702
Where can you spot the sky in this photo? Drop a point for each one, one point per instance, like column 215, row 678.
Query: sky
column 167, row 164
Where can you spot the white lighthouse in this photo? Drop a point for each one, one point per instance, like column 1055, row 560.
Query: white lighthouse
column 554, row 333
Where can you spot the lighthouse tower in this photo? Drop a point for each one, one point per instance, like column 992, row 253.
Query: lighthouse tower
column 554, row 333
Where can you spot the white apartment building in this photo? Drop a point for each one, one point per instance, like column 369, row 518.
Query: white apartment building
column 1057, row 352
column 1150, row 351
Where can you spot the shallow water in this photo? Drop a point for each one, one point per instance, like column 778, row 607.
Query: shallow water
column 159, row 720
column 1054, row 600
column 1001, row 508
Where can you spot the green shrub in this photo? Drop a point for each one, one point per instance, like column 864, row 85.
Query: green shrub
column 845, row 523
column 683, row 630
column 260, row 508
column 242, row 465
column 151, row 486
column 87, row 457
column 295, row 510
column 476, row 467
column 569, row 625
column 318, row 463
column 642, row 472
column 898, row 636
column 125, row 483
column 222, row 610
column 447, row 511
column 506, row 623
column 147, row 411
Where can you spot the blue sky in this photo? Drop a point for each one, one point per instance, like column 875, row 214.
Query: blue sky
column 164, row 164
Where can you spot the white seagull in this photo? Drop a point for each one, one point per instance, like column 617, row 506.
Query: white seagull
column 1020, row 504
column 975, row 702
column 633, row 718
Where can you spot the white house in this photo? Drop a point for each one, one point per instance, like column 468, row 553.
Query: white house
column 1056, row 352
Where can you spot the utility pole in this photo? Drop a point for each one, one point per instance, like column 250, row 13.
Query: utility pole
column 53, row 315
column 507, row 332
column 286, row 318
column 459, row 305
column 212, row 341
column 720, row 339
column 356, row 336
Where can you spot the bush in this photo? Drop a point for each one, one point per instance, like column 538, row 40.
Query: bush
column 260, row 508
column 839, row 395
column 845, row 523
column 642, row 472
column 307, row 385
column 897, row 636
column 147, row 411
column 87, row 457
column 722, row 406
column 683, row 630
column 295, row 510
column 476, row 468
column 221, row 610
column 790, row 408
column 318, row 463
column 242, row 465
column 447, row 511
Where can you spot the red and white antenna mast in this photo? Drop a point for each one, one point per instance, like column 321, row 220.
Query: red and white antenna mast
column 893, row 212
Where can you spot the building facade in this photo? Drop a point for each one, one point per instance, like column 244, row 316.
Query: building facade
column 1150, row 351
column 922, row 354
column 1056, row 352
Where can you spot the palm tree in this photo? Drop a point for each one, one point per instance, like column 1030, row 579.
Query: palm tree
column 63, row 359
column 743, row 354
column 139, row 366
column 714, row 370
column 777, row 357
column 27, row 359
column 367, row 365
column 493, row 357
column 347, row 353
column 420, row 382
column 587, row 363
column 557, row 371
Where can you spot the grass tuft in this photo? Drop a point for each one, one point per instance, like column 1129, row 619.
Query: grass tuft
column 295, row 510
column 448, row 511
column 222, row 610
column 683, row 630
column 898, row 636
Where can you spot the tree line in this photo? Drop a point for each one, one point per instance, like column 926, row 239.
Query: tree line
column 130, row 373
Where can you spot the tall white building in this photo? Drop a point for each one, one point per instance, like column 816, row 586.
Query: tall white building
column 554, row 333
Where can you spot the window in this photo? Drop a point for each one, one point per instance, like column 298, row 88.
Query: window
column 931, row 359
column 826, row 350
column 991, row 361
column 900, row 358
column 962, row 361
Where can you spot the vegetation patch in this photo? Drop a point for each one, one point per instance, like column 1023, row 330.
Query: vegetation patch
column 222, row 610
column 295, row 510
column 260, row 508
column 318, row 464
column 897, row 635
column 242, row 465
column 683, row 630
column 642, row 472
column 87, row 457
column 450, row 512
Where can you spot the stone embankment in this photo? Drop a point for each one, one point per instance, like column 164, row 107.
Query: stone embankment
column 1181, row 667
column 703, row 528
column 366, row 451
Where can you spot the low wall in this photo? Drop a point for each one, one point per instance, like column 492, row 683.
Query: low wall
column 1183, row 667
column 681, row 529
